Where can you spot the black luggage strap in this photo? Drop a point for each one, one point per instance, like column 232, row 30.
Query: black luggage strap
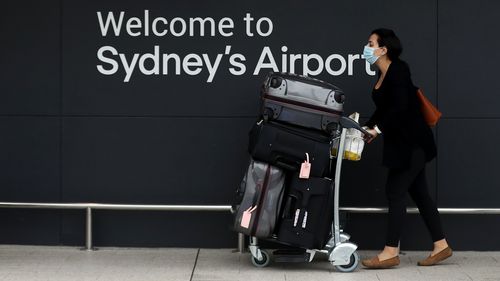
column 261, row 200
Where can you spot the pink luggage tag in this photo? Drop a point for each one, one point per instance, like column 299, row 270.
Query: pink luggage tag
column 305, row 168
column 247, row 215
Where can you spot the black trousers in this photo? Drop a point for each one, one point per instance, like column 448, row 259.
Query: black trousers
column 413, row 181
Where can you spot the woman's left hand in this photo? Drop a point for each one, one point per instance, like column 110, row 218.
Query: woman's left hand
column 371, row 132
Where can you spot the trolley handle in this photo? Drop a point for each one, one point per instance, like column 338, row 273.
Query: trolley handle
column 348, row 123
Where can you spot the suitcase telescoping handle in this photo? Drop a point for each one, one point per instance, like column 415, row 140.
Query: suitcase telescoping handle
column 348, row 123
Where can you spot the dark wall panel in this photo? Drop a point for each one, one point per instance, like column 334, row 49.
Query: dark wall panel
column 31, row 227
column 154, row 160
column 30, row 173
column 460, row 229
column 151, row 229
column 468, row 61
column 467, row 168
column 30, row 158
column 30, row 56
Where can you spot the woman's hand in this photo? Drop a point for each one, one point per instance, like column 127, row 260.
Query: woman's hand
column 372, row 132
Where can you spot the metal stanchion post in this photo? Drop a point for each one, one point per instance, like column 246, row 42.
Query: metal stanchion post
column 88, row 231
column 241, row 243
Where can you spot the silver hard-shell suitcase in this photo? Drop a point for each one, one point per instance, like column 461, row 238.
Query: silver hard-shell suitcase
column 302, row 101
column 262, row 187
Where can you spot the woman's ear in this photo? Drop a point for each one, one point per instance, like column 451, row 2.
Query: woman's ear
column 384, row 51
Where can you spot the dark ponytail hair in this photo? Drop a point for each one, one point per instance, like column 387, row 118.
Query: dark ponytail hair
column 387, row 38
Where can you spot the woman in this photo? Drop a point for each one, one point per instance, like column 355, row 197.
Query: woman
column 408, row 145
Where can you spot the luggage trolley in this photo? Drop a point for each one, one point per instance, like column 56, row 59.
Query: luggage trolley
column 340, row 250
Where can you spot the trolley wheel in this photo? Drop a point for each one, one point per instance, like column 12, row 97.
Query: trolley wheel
column 262, row 263
column 351, row 266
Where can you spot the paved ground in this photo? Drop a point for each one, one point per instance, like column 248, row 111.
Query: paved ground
column 24, row 263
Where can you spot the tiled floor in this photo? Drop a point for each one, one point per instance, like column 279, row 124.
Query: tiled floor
column 23, row 263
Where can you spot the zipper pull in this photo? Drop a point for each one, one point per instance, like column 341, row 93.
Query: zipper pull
column 304, row 220
column 296, row 219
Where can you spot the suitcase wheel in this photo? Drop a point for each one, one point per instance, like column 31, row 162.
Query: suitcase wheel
column 276, row 82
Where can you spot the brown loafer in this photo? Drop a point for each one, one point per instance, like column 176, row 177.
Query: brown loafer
column 375, row 263
column 432, row 260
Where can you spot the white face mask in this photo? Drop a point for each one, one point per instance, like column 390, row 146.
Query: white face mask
column 369, row 54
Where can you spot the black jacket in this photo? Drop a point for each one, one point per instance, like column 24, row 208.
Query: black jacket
column 399, row 118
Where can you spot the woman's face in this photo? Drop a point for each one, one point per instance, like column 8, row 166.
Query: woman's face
column 373, row 42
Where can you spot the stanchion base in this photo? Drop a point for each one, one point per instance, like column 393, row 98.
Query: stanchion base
column 238, row 251
column 89, row 250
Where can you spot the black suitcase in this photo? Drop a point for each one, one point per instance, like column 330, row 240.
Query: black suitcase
column 262, row 192
column 301, row 100
column 308, row 213
column 285, row 146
